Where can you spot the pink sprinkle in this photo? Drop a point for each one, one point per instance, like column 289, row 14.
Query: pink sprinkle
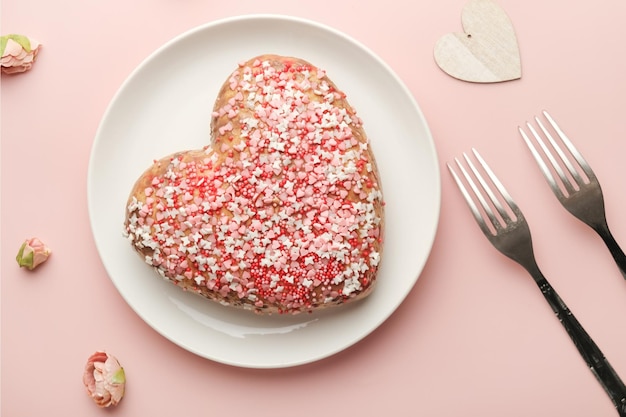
column 226, row 128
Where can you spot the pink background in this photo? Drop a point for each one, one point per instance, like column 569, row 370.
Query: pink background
column 474, row 337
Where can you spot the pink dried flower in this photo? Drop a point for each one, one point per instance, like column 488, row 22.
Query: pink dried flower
column 104, row 379
column 32, row 253
column 18, row 53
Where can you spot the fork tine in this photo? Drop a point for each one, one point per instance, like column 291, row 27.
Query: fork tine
column 500, row 187
column 485, row 187
column 470, row 201
column 479, row 193
column 542, row 165
column 559, row 151
column 570, row 146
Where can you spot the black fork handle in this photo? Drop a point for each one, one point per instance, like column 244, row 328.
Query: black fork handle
column 588, row 349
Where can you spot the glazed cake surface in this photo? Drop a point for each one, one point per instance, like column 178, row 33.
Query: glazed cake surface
column 282, row 212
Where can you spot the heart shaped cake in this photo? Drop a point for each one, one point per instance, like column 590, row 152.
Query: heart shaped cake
column 282, row 212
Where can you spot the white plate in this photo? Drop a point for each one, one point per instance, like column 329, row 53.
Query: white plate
column 165, row 106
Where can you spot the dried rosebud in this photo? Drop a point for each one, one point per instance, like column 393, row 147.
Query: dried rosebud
column 18, row 53
column 32, row 253
column 104, row 379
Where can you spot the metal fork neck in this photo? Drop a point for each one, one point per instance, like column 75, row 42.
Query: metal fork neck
column 618, row 255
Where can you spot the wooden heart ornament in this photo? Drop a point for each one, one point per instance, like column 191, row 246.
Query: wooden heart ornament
column 282, row 212
column 487, row 50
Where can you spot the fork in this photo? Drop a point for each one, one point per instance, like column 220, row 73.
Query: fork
column 580, row 195
column 505, row 227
